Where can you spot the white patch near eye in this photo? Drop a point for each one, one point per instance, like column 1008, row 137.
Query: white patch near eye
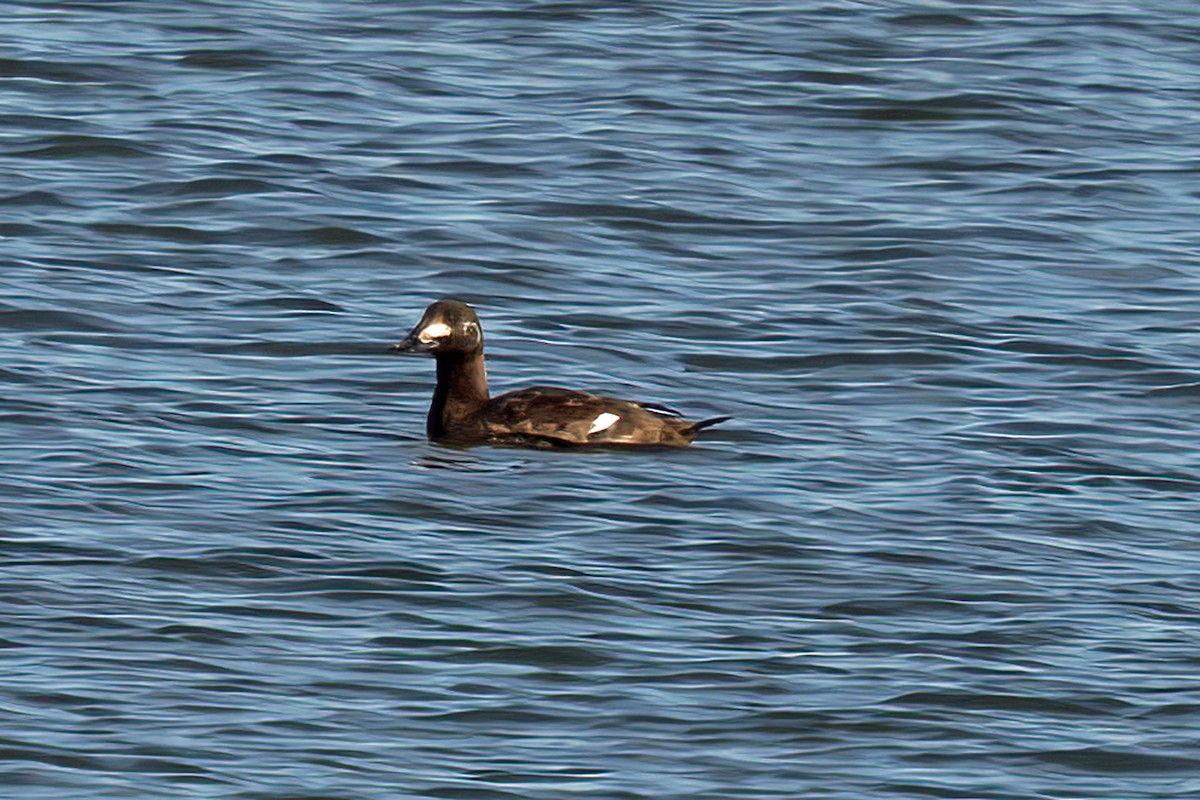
column 436, row 330
column 603, row 422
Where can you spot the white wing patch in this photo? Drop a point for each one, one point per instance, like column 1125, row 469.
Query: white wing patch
column 603, row 422
column 436, row 330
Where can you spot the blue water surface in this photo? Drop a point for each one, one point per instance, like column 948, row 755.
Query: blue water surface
column 940, row 260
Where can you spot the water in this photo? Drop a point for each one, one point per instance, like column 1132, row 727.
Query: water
column 940, row 260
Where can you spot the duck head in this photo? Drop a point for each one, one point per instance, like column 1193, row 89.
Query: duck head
column 447, row 326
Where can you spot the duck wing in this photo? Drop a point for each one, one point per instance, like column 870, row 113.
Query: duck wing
column 572, row 417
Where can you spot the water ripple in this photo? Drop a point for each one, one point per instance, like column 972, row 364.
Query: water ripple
column 938, row 263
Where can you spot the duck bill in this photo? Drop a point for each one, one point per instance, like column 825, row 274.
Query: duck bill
column 412, row 345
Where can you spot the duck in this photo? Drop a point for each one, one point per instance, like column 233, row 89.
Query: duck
column 463, row 413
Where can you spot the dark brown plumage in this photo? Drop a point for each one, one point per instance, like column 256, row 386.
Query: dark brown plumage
column 463, row 413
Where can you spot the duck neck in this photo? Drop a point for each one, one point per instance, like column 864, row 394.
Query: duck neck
column 461, row 392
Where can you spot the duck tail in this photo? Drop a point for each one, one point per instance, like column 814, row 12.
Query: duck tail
column 696, row 427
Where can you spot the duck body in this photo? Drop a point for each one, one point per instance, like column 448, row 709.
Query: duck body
column 462, row 412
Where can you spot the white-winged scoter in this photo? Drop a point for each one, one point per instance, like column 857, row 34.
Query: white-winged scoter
column 463, row 413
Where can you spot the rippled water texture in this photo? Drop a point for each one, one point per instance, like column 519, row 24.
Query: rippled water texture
column 939, row 259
